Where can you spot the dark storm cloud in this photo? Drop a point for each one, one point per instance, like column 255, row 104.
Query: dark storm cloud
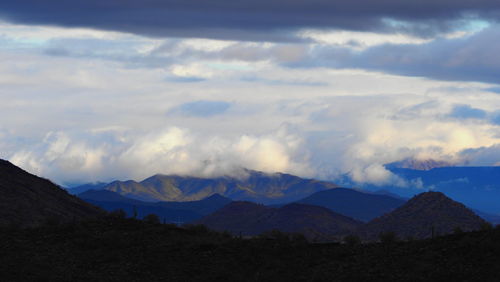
column 471, row 58
column 250, row 20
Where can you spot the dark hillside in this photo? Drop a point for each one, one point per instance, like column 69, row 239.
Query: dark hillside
column 28, row 200
column 316, row 223
column 130, row 250
column 424, row 215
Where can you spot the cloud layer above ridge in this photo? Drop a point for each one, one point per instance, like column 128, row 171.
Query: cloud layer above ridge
column 96, row 91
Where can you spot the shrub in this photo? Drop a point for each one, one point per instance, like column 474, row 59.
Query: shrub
column 388, row 237
column 197, row 228
column 486, row 226
column 152, row 218
column 275, row 235
column 119, row 213
column 457, row 230
column 352, row 240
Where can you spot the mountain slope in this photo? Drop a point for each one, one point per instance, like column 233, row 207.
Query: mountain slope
column 352, row 203
column 179, row 212
column 28, row 200
column 257, row 186
column 86, row 187
column 423, row 215
column 106, row 196
column 252, row 219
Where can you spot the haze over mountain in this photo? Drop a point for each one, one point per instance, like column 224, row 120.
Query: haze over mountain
column 177, row 212
column 28, row 200
column 476, row 187
column 416, row 164
column 248, row 218
column 349, row 202
column 257, row 186
column 422, row 216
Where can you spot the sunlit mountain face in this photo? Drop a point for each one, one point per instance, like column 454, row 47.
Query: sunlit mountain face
column 102, row 91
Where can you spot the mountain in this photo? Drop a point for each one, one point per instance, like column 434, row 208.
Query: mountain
column 202, row 207
column 419, row 164
column 106, row 196
column 257, row 186
column 179, row 212
column 423, row 215
column 28, row 200
column 246, row 218
column 349, row 202
column 86, row 187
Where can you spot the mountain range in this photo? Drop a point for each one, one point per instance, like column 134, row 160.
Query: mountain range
column 359, row 205
column 423, row 216
column 256, row 187
column 28, row 200
column 246, row 218
column 178, row 212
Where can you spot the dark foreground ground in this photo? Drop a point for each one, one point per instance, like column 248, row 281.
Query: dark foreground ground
column 132, row 250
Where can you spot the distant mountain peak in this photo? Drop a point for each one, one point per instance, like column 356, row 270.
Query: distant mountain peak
column 257, row 186
column 417, row 164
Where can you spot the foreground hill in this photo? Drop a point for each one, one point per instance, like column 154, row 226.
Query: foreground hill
column 129, row 250
column 245, row 218
column 349, row 202
column 423, row 216
column 257, row 186
column 179, row 212
column 28, row 200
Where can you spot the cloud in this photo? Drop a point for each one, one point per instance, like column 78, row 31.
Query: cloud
column 467, row 58
column 107, row 109
column 471, row 56
column 201, row 108
column 483, row 156
column 67, row 158
column 466, row 112
column 255, row 20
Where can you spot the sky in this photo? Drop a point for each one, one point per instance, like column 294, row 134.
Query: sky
column 102, row 90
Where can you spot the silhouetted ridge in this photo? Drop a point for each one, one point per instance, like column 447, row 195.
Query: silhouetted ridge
column 105, row 196
column 177, row 212
column 424, row 215
column 252, row 219
column 352, row 203
column 28, row 200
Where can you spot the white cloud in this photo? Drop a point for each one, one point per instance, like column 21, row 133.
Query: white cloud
column 87, row 118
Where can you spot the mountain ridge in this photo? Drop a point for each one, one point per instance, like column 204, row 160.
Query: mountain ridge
column 257, row 186
column 314, row 222
column 353, row 203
